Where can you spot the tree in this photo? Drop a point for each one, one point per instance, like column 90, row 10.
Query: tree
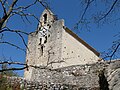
column 11, row 9
column 4, row 83
column 100, row 12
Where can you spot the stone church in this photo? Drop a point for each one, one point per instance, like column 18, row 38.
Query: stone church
column 53, row 45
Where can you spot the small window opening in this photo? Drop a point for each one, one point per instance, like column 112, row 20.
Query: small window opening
column 45, row 39
column 65, row 47
column 40, row 41
column 42, row 49
column 49, row 26
column 49, row 35
column 45, row 18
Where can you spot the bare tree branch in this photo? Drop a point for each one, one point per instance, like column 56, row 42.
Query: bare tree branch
column 23, row 40
column 44, row 4
column 4, row 9
column 16, row 31
column 8, row 62
column 22, row 14
column 7, row 14
column 26, row 7
column 24, row 66
column 115, row 50
column 14, row 10
column 112, row 52
column 13, row 69
column 11, row 44
column 11, row 7
column 87, row 5
column 108, row 12
column 83, row 14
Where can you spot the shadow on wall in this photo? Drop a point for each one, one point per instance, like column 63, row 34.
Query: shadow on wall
column 103, row 81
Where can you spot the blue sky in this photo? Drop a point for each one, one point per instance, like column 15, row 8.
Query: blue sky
column 99, row 38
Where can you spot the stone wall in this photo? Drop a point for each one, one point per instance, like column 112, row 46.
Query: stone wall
column 113, row 75
column 53, row 46
column 47, row 54
column 22, row 84
column 81, row 76
column 98, row 76
column 74, row 51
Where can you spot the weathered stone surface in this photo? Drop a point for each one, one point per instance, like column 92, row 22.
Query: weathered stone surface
column 80, row 76
column 53, row 45
column 98, row 76
column 113, row 75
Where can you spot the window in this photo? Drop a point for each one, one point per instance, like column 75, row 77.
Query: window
column 45, row 39
column 45, row 18
column 40, row 41
column 42, row 49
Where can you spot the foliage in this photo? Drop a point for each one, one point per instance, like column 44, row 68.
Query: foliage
column 4, row 85
column 8, row 72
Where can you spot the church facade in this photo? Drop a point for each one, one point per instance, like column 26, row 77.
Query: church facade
column 53, row 45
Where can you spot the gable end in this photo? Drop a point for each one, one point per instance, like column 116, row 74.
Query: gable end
column 82, row 41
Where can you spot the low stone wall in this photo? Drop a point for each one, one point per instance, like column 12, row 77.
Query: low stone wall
column 98, row 76
column 22, row 84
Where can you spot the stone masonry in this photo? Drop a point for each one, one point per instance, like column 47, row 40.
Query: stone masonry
column 97, row 76
column 63, row 61
column 54, row 46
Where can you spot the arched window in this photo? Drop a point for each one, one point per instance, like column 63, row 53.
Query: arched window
column 45, row 18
